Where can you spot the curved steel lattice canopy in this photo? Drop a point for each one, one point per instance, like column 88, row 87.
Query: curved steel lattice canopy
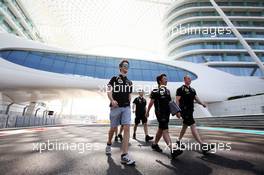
column 128, row 28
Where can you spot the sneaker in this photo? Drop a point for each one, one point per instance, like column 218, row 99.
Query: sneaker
column 116, row 139
column 120, row 137
column 206, row 147
column 108, row 149
column 125, row 159
column 148, row 138
column 180, row 145
column 156, row 147
column 134, row 136
column 175, row 153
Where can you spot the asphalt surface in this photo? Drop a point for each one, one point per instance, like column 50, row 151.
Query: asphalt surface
column 84, row 153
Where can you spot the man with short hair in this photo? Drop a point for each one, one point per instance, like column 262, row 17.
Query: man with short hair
column 139, row 108
column 119, row 94
column 161, row 98
column 185, row 97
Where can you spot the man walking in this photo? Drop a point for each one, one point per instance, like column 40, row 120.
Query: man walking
column 119, row 94
column 185, row 97
column 160, row 98
column 139, row 108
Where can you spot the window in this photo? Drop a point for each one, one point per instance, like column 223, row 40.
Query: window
column 229, row 45
column 80, row 69
column 17, row 57
column 255, row 13
column 99, row 72
column 135, row 64
column 47, row 62
column 111, row 62
column 260, row 34
column 91, row 60
column 90, row 71
column 239, row 71
column 110, row 71
column 258, row 23
column 173, row 76
column 4, row 54
column 97, row 67
column 237, row 3
column 58, row 66
column 100, row 61
column 32, row 60
column 258, row 73
column 261, row 46
column 146, row 76
column 59, row 63
column 69, row 67
column 231, row 57
column 253, row 4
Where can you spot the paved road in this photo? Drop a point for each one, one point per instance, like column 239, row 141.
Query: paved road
column 20, row 153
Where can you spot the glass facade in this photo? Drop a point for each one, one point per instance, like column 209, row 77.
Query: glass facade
column 247, row 34
column 211, row 47
column 249, row 3
column 239, row 71
column 92, row 66
column 27, row 30
column 218, row 45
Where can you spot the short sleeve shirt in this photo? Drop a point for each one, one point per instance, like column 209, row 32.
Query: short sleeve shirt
column 121, row 88
column 140, row 103
column 162, row 98
column 187, row 95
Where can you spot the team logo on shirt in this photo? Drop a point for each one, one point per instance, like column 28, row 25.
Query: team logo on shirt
column 162, row 91
column 187, row 90
column 120, row 81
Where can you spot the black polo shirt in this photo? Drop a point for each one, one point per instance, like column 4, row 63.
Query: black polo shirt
column 121, row 88
column 187, row 95
column 162, row 98
column 140, row 103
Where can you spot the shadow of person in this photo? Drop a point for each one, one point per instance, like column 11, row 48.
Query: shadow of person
column 143, row 143
column 229, row 163
column 114, row 169
column 180, row 167
column 118, row 144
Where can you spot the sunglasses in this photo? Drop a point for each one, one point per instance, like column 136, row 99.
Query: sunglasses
column 125, row 65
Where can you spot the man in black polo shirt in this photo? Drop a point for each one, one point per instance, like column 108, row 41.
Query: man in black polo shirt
column 161, row 97
column 119, row 94
column 185, row 97
column 140, row 104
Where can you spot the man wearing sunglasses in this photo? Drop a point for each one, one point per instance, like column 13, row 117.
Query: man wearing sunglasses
column 119, row 94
